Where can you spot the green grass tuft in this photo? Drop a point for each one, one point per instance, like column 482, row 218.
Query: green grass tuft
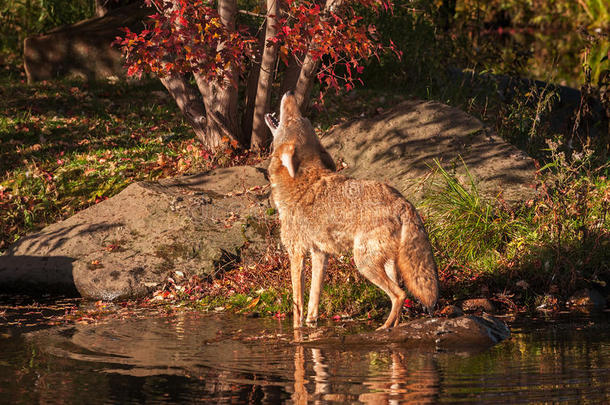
column 466, row 225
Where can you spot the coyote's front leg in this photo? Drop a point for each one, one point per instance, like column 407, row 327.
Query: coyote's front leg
column 318, row 266
column 297, row 261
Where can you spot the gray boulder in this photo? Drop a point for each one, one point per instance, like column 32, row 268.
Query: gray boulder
column 127, row 245
column 398, row 147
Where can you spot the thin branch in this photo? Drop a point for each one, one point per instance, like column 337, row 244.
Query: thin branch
column 251, row 13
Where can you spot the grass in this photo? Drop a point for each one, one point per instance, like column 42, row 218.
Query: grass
column 467, row 226
column 21, row 19
column 265, row 291
column 557, row 243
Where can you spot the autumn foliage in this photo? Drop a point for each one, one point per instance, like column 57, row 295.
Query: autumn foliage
column 337, row 38
column 327, row 40
column 186, row 36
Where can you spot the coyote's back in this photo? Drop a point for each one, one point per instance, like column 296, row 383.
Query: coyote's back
column 324, row 212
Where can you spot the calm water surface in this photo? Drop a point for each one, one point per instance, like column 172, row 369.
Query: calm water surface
column 219, row 358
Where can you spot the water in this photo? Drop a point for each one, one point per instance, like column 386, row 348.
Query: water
column 187, row 357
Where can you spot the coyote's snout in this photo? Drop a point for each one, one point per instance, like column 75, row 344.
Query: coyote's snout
column 324, row 212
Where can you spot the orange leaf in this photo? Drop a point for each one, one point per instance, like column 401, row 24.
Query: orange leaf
column 253, row 303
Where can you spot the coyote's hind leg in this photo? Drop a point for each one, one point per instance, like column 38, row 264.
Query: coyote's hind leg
column 371, row 264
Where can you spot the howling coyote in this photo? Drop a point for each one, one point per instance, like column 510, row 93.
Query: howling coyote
column 324, row 212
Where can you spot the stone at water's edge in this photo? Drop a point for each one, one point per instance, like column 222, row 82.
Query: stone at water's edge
column 587, row 298
column 463, row 332
column 127, row 245
column 474, row 304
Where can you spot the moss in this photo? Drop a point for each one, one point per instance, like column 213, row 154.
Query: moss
column 353, row 299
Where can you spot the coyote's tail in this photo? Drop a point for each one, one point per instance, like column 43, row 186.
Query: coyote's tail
column 416, row 261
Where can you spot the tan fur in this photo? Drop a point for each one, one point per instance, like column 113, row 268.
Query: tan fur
column 324, row 212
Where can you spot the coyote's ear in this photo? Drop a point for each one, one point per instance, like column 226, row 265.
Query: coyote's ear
column 287, row 157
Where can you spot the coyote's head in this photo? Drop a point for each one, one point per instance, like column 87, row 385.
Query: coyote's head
column 295, row 143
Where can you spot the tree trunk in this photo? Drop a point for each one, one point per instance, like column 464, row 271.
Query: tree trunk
column 221, row 98
column 305, row 82
column 291, row 76
column 310, row 66
column 206, row 113
column 101, row 7
column 251, row 87
column 221, row 116
column 260, row 132
column 190, row 103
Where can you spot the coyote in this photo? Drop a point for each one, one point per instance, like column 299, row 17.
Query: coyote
column 324, row 212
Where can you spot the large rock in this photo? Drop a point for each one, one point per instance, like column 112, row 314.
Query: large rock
column 399, row 147
column 127, row 245
column 467, row 331
column 82, row 49
column 124, row 246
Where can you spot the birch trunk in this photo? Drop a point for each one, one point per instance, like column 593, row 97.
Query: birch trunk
column 310, row 66
column 260, row 133
column 251, row 88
